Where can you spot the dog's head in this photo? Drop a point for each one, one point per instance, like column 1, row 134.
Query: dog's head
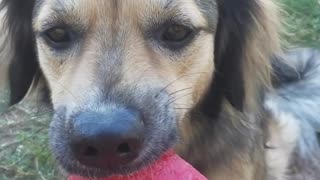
column 124, row 75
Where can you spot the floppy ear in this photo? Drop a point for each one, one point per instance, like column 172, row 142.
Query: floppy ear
column 23, row 64
column 241, row 58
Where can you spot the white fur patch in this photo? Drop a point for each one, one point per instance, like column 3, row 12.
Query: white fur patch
column 284, row 132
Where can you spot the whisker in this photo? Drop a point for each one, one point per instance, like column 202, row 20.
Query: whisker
column 74, row 97
column 173, row 100
column 181, row 90
column 172, row 82
column 173, row 97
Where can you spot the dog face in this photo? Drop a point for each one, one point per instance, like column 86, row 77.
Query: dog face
column 122, row 75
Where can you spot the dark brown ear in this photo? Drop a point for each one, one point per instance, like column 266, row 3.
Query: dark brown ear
column 23, row 64
column 238, row 26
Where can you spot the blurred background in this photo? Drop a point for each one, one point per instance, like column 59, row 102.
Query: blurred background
column 24, row 151
column 302, row 22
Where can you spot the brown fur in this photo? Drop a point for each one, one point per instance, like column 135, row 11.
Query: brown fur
column 230, row 147
column 244, row 163
column 136, row 54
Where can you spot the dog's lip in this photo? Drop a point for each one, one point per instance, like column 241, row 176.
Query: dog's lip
column 84, row 170
column 143, row 160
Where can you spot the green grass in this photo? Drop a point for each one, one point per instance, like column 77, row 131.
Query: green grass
column 24, row 153
column 29, row 158
column 302, row 22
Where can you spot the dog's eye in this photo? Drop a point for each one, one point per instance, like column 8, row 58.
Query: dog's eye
column 58, row 37
column 176, row 33
column 177, row 36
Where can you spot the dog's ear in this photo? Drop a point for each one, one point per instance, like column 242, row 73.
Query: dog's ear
column 23, row 64
column 241, row 59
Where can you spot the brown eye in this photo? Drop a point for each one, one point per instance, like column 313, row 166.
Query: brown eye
column 176, row 33
column 58, row 35
column 59, row 38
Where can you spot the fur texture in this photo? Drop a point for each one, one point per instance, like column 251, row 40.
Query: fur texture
column 246, row 102
column 297, row 95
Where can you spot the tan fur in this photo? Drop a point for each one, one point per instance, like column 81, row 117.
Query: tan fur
column 70, row 77
column 262, row 43
column 242, row 164
column 237, row 170
column 73, row 79
column 283, row 138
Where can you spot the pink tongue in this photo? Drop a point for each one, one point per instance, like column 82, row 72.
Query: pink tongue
column 169, row 167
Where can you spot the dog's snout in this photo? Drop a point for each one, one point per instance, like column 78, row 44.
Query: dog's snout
column 107, row 139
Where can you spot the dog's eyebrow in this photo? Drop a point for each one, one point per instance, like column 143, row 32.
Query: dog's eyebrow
column 60, row 21
column 175, row 11
column 57, row 18
column 60, row 16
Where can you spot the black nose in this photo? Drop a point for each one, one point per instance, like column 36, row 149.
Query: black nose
column 107, row 139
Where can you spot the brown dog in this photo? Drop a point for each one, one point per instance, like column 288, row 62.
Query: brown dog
column 130, row 79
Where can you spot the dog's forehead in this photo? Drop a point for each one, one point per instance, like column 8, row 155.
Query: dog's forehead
column 198, row 12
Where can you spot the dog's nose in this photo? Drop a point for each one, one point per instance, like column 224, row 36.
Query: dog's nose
column 107, row 139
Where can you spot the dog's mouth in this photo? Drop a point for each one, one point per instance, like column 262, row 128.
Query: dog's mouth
column 74, row 167
column 159, row 135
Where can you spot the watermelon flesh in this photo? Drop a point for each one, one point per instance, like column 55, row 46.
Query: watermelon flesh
column 169, row 167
